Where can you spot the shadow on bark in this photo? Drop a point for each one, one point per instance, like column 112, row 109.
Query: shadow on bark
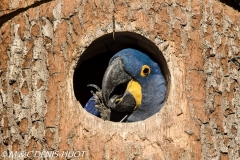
column 7, row 17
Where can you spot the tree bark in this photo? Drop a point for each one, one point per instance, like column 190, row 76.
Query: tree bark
column 39, row 51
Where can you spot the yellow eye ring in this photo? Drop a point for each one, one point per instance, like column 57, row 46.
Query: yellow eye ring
column 146, row 70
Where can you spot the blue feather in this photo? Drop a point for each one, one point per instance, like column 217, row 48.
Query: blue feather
column 90, row 107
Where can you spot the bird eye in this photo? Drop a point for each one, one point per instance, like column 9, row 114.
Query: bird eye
column 145, row 71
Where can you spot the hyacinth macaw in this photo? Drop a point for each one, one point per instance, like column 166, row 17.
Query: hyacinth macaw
column 132, row 82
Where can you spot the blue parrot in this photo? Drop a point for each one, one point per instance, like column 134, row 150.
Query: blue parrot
column 134, row 83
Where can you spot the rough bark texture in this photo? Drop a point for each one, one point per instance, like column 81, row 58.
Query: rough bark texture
column 9, row 6
column 39, row 50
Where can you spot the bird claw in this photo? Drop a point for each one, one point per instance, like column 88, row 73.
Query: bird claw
column 105, row 112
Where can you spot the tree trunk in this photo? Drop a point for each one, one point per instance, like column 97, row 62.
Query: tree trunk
column 41, row 43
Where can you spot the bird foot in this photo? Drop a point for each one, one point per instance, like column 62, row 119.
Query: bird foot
column 105, row 112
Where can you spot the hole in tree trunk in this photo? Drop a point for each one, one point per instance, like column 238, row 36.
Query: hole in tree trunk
column 95, row 59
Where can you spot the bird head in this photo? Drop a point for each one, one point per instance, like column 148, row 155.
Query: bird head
column 133, row 82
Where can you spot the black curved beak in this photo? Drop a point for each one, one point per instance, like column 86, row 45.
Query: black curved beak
column 114, row 86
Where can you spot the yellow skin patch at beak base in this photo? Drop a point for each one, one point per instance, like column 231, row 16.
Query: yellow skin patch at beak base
column 135, row 89
column 119, row 99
